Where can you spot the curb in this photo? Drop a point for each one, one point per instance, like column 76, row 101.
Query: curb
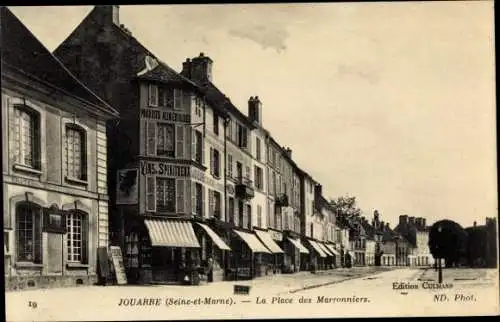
column 331, row 283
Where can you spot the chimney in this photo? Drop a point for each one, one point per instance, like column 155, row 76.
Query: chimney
column 387, row 226
column 412, row 220
column 255, row 110
column 318, row 193
column 403, row 219
column 424, row 222
column 475, row 224
column 288, row 152
column 382, row 225
column 186, row 68
column 201, row 69
column 107, row 14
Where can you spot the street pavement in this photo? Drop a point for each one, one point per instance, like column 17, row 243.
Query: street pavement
column 352, row 292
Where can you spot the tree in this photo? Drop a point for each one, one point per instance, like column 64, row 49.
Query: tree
column 345, row 206
column 448, row 240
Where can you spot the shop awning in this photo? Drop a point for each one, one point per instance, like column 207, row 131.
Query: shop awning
column 332, row 249
column 325, row 249
column 268, row 241
column 299, row 245
column 171, row 233
column 317, row 248
column 253, row 242
column 215, row 238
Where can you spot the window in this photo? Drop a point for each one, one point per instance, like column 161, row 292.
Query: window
column 229, row 129
column 27, row 137
column 247, row 172
column 165, row 140
column 232, row 218
column 76, row 154
column 249, row 217
column 216, row 124
column 29, row 232
column 197, row 199
column 259, row 216
column 165, row 194
column 178, row 99
column 243, row 137
column 150, row 194
column 239, row 170
column 241, row 215
column 153, row 95
column 257, row 147
column 229, row 165
column 198, row 146
column 77, row 232
column 215, row 204
column 259, row 178
column 215, row 162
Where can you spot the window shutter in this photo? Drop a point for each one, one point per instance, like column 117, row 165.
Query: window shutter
column 202, row 151
column 150, row 138
column 193, row 144
column 179, row 136
column 202, row 200
column 179, row 195
column 187, row 194
column 193, row 198
column 37, row 213
column 211, row 203
column 177, row 99
column 85, row 239
column 211, row 161
column 150, row 194
column 153, row 95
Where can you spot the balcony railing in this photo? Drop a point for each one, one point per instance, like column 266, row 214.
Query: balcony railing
column 244, row 188
column 281, row 200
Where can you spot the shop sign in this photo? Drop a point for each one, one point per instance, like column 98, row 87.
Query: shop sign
column 160, row 115
column 163, row 169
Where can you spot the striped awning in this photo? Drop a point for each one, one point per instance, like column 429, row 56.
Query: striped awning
column 215, row 238
column 325, row 249
column 253, row 242
column 171, row 233
column 298, row 244
column 268, row 241
column 332, row 249
column 317, row 248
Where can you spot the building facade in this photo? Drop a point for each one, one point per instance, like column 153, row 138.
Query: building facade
column 54, row 166
column 415, row 231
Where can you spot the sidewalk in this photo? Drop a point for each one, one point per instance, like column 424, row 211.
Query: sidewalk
column 460, row 274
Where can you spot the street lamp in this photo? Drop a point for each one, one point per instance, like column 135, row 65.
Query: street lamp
column 440, row 269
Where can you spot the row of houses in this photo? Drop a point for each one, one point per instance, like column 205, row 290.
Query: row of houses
column 105, row 144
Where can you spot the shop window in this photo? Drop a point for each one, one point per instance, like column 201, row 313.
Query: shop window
column 27, row 137
column 76, row 152
column 29, row 232
column 77, row 236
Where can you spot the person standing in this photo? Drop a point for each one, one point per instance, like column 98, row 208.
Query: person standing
column 210, row 275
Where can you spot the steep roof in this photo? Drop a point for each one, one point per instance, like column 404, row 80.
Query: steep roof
column 164, row 73
column 21, row 50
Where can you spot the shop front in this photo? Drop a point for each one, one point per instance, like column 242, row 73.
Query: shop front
column 246, row 257
column 268, row 260
column 278, row 260
column 336, row 254
column 213, row 252
column 317, row 256
column 302, row 251
column 329, row 260
column 162, row 251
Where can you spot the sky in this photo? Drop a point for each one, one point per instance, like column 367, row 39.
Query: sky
column 393, row 103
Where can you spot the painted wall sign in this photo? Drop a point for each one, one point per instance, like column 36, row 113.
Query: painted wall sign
column 127, row 188
column 200, row 176
column 160, row 115
column 158, row 168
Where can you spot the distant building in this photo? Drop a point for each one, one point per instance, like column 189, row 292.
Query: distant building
column 54, row 166
column 415, row 231
column 482, row 244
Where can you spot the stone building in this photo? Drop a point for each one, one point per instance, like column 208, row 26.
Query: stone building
column 54, row 142
column 416, row 232
column 166, row 156
column 482, row 244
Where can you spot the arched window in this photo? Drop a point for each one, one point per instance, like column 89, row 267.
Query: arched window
column 76, row 154
column 77, row 236
column 27, row 137
column 29, row 232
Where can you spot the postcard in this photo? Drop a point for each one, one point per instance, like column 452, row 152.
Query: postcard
column 235, row 161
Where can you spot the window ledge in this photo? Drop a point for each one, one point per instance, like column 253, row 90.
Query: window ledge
column 76, row 181
column 23, row 168
column 28, row 265
column 77, row 265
